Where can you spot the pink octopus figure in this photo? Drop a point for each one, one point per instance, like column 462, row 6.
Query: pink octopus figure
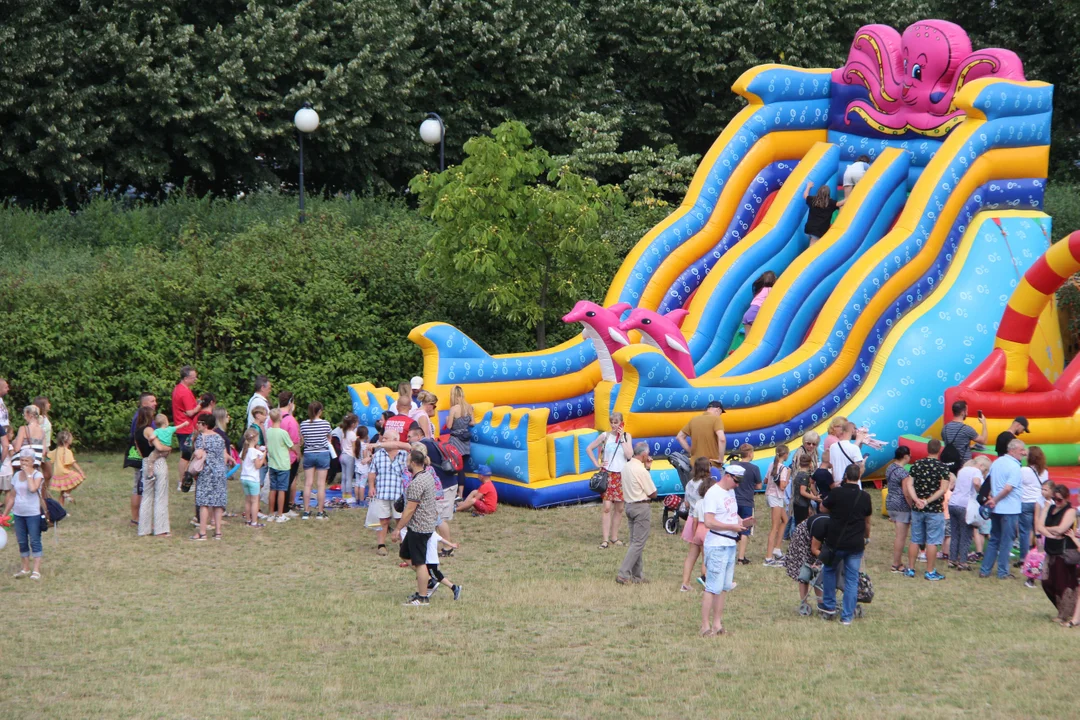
column 913, row 79
column 662, row 332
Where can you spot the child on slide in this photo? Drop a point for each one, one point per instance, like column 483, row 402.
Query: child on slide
column 822, row 207
column 761, row 288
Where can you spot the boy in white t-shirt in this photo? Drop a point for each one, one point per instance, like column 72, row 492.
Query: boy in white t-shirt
column 435, row 576
column 720, row 510
column 251, row 459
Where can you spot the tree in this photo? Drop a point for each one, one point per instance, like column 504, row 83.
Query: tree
column 517, row 232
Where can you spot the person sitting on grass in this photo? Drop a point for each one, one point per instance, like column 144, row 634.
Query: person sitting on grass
column 484, row 499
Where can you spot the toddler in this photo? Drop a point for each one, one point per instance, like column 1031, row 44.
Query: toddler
column 67, row 475
column 251, row 459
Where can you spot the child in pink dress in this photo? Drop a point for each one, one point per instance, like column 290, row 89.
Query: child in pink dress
column 761, row 288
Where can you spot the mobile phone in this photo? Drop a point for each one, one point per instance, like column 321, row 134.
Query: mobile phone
column 980, row 414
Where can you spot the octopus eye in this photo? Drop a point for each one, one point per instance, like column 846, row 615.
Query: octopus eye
column 590, row 314
column 646, row 321
column 916, row 71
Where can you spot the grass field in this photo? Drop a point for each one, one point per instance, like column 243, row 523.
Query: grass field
column 304, row 620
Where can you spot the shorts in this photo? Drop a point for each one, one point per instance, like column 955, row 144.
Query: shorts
column 251, row 487
column 719, row 568
column 383, row 509
column 185, row 445
column 901, row 516
column 775, row 502
column 445, row 507
column 927, row 528
column 483, row 508
column 746, row 511
column 6, row 480
column 279, row 480
column 135, row 490
column 414, row 547
column 317, row 460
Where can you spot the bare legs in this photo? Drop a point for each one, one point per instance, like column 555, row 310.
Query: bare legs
column 898, row 543
column 692, row 554
column 712, row 612
column 776, row 531
column 204, row 516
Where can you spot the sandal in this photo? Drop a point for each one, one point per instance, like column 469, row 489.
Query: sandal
column 604, row 545
column 1070, row 624
column 198, row 537
column 707, row 633
column 684, row 588
column 620, row 543
column 35, row 575
column 256, row 524
column 217, row 536
column 721, row 631
column 897, row 568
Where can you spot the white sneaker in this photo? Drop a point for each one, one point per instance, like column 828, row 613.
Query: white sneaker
column 263, row 516
column 777, row 554
column 281, row 518
column 922, row 557
column 293, row 514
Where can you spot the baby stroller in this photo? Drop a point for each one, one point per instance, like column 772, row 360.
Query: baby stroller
column 675, row 511
column 864, row 597
column 675, row 507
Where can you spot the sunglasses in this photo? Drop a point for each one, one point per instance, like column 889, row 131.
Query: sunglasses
column 1059, row 499
column 811, row 444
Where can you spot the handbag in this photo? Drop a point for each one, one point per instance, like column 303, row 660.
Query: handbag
column 599, row 481
column 193, row 469
column 1071, row 556
column 52, row 512
column 972, row 516
column 133, row 459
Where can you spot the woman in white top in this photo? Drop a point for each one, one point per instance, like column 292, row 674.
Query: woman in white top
column 694, row 531
column 965, row 487
column 618, row 448
column 1034, row 475
column 423, row 412
column 345, row 436
column 776, row 482
column 26, row 503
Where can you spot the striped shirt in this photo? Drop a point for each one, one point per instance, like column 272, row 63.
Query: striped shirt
column 316, row 435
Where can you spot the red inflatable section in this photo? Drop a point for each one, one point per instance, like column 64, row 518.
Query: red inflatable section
column 586, row 421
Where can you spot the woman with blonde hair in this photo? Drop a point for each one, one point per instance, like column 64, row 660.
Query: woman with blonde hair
column 965, row 488
column 422, row 414
column 1032, row 477
column 460, row 420
column 618, row 448
column 836, row 428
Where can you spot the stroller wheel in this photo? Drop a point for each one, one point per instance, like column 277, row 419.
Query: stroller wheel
column 671, row 523
column 805, row 610
column 858, row 611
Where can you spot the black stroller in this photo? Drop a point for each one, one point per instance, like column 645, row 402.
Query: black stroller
column 675, row 508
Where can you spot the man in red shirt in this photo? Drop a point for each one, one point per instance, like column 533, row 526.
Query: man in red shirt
column 484, row 499
column 401, row 422
column 185, row 408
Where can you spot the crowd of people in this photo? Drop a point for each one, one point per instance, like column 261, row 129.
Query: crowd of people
column 939, row 505
column 411, row 482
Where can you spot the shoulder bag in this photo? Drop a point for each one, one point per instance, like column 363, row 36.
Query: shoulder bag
column 599, row 481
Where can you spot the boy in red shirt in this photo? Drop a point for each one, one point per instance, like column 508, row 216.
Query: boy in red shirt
column 484, row 499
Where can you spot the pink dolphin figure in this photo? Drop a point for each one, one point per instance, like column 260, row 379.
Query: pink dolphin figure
column 663, row 333
column 601, row 326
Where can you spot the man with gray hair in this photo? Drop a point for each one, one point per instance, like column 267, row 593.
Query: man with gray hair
column 1005, row 503
column 638, row 490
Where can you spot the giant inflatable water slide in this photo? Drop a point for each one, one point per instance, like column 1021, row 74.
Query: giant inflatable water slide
column 900, row 300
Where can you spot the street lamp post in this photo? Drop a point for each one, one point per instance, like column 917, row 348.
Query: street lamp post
column 306, row 121
column 433, row 131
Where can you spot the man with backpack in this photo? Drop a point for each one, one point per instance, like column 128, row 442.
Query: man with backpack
column 1005, row 502
column 957, row 437
column 849, row 509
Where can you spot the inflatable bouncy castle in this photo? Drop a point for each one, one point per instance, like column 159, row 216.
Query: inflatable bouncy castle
column 903, row 298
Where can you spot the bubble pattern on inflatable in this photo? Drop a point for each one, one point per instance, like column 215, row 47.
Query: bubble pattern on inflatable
column 767, row 182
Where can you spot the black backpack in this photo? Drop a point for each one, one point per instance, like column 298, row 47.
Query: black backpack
column 984, row 491
column 950, row 454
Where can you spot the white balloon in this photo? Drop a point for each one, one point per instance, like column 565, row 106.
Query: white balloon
column 3, row 538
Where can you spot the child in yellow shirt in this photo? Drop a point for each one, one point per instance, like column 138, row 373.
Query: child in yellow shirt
column 67, row 475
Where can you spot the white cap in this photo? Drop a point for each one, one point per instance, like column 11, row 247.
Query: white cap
column 736, row 470
column 417, row 382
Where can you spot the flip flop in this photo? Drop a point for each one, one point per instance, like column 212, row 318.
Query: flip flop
column 620, row 543
column 198, row 537
column 604, row 545
column 707, row 633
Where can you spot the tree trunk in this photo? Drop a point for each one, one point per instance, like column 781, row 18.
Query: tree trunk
column 541, row 327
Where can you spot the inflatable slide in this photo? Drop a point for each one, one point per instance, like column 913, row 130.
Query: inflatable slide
column 895, row 303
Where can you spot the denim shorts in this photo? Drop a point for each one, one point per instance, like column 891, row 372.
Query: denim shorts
column 746, row 511
column 251, row 487
column 317, row 460
column 279, row 480
column 900, row 516
column 927, row 528
column 719, row 568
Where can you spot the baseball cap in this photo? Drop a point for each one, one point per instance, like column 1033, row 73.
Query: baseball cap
column 483, row 471
column 715, row 404
column 417, row 382
column 1023, row 421
column 735, row 471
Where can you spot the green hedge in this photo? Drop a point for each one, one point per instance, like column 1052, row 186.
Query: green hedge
column 110, row 302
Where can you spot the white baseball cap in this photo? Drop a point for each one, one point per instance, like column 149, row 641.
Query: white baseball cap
column 735, row 470
column 417, row 382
